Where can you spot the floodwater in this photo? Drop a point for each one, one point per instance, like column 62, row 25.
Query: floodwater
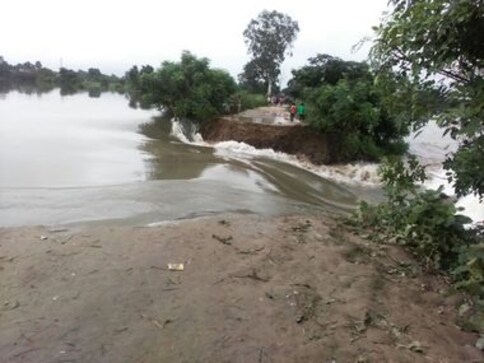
column 432, row 147
column 76, row 159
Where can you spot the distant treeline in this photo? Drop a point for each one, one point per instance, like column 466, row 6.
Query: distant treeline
column 26, row 76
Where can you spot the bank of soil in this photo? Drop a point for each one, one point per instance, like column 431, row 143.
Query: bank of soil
column 270, row 127
column 253, row 289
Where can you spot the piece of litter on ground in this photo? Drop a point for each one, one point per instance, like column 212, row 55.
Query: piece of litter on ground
column 43, row 238
column 55, row 297
column 11, row 305
column 176, row 266
column 157, row 324
column 416, row 346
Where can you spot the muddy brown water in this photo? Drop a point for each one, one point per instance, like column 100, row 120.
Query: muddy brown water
column 77, row 159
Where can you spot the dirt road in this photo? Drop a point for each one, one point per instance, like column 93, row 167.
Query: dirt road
column 253, row 289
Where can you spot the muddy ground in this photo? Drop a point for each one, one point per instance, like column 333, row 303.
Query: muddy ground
column 253, row 289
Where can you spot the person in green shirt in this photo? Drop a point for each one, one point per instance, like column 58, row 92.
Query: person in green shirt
column 301, row 111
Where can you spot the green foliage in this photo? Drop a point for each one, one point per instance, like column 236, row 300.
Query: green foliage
column 35, row 77
column 93, row 81
column 324, row 69
column 470, row 270
column 94, row 74
column 268, row 38
column 354, row 110
column 345, row 99
column 69, row 80
column 133, row 76
column 252, row 78
column 25, row 75
column 427, row 222
column 468, row 164
column 437, row 46
column 244, row 100
column 250, row 100
column 189, row 88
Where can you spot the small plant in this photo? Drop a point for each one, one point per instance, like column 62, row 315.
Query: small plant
column 427, row 222
column 470, row 270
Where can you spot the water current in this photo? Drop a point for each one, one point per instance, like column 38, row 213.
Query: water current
column 76, row 159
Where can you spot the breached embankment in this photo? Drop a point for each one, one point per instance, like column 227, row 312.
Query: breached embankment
column 282, row 141
column 306, row 148
column 295, row 140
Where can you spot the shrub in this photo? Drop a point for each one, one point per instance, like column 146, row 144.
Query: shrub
column 427, row 222
column 251, row 100
column 354, row 111
column 469, row 272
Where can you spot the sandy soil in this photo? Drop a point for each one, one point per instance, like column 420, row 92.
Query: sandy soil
column 253, row 289
column 271, row 115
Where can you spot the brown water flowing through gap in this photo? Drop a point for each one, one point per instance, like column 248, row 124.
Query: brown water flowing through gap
column 71, row 159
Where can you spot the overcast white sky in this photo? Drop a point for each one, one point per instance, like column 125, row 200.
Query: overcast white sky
column 113, row 35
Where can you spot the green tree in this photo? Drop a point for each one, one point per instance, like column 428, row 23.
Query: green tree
column 325, row 69
column 189, row 88
column 146, row 69
column 132, row 77
column 5, row 71
column 346, row 100
column 437, row 46
column 94, row 74
column 269, row 37
column 69, row 81
column 252, row 78
column 355, row 113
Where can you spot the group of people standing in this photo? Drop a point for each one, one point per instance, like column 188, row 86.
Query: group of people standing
column 294, row 111
column 300, row 111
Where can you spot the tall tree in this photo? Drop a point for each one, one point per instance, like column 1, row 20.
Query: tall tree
column 94, row 74
column 132, row 77
column 437, row 46
column 252, row 78
column 188, row 88
column 325, row 69
column 269, row 38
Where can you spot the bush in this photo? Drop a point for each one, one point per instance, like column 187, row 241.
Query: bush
column 354, row 111
column 469, row 272
column 251, row 100
column 427, row 222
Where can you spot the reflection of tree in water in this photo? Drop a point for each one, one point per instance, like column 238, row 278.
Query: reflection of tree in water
column 158, row 128
column 28, row 89
column 67, row 91
column 167, row 157
column 137, row 101
column 94, row 92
